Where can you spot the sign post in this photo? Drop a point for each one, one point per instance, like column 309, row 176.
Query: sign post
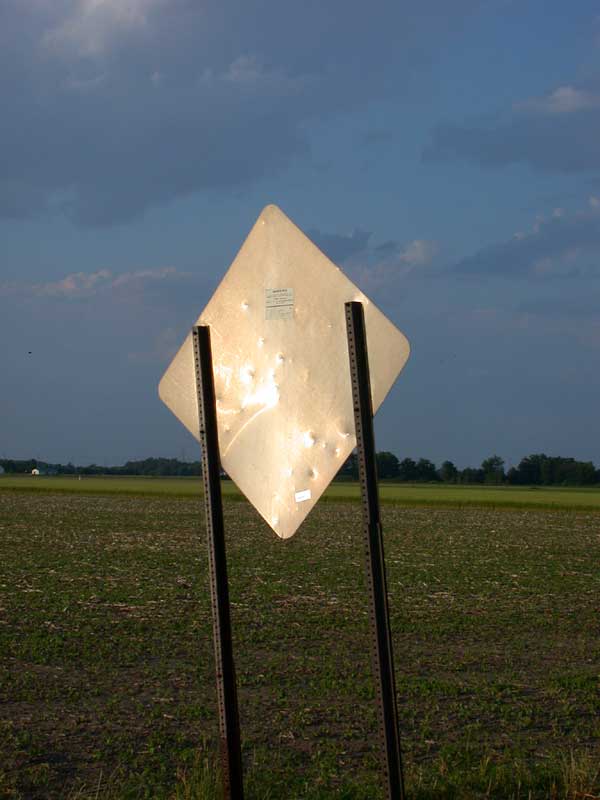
column 229, row 725
column 381, row 649
column 262, row 382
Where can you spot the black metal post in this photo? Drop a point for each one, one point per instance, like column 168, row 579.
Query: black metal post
column 229, row 724
column 382, row 656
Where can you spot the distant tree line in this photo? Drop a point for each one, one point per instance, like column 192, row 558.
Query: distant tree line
column 533, row 470
column 148, row 466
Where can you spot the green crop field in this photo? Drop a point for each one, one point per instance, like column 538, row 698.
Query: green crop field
column 447, row 495
column 106, row 664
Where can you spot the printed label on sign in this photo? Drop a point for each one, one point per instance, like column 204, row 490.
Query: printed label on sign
column 279, row 303
column 304, row 495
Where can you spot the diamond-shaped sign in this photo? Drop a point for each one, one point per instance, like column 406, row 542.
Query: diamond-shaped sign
column 282, row 379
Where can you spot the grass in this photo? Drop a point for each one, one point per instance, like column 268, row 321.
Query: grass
column 106, row 668
column 444, row 495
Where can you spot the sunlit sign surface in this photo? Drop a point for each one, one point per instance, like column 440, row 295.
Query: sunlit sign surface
column 282, row 378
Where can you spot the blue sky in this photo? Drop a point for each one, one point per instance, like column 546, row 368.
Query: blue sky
column 445, row 155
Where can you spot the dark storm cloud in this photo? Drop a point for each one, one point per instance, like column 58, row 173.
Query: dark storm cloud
column 110, row 108
column 564, row 246
column 376, row 267
column 559, row 132
column 340, row 247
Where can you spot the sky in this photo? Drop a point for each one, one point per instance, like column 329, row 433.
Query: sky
column 445, row 155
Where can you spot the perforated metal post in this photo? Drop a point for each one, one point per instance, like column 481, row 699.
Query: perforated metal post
column 229, row 725
column 382, row 656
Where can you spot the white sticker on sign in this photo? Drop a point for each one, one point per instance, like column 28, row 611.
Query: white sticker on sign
column 279, row 303
column 304, row 495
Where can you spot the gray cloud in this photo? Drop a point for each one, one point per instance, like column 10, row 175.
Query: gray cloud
column 117, row 107
column 390, row 264
column 78, row 285
column 374, row 265
column 563, row 246
column 340, row 247
column 559, row 132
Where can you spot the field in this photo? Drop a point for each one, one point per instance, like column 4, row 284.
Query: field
column 106, row 670
column 446, row 495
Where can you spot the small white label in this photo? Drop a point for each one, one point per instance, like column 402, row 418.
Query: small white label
column 304, row 495
column 279, row 303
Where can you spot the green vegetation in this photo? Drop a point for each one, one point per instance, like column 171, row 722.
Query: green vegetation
column 534, row 470
column 149, row 467
column 106, row 670
column 447, row 495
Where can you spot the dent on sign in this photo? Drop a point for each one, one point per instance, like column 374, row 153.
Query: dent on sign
column 280, row 361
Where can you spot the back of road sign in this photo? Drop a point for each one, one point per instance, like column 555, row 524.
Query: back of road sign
column 280, row 360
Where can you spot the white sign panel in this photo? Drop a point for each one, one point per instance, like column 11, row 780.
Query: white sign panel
column 282, row 378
